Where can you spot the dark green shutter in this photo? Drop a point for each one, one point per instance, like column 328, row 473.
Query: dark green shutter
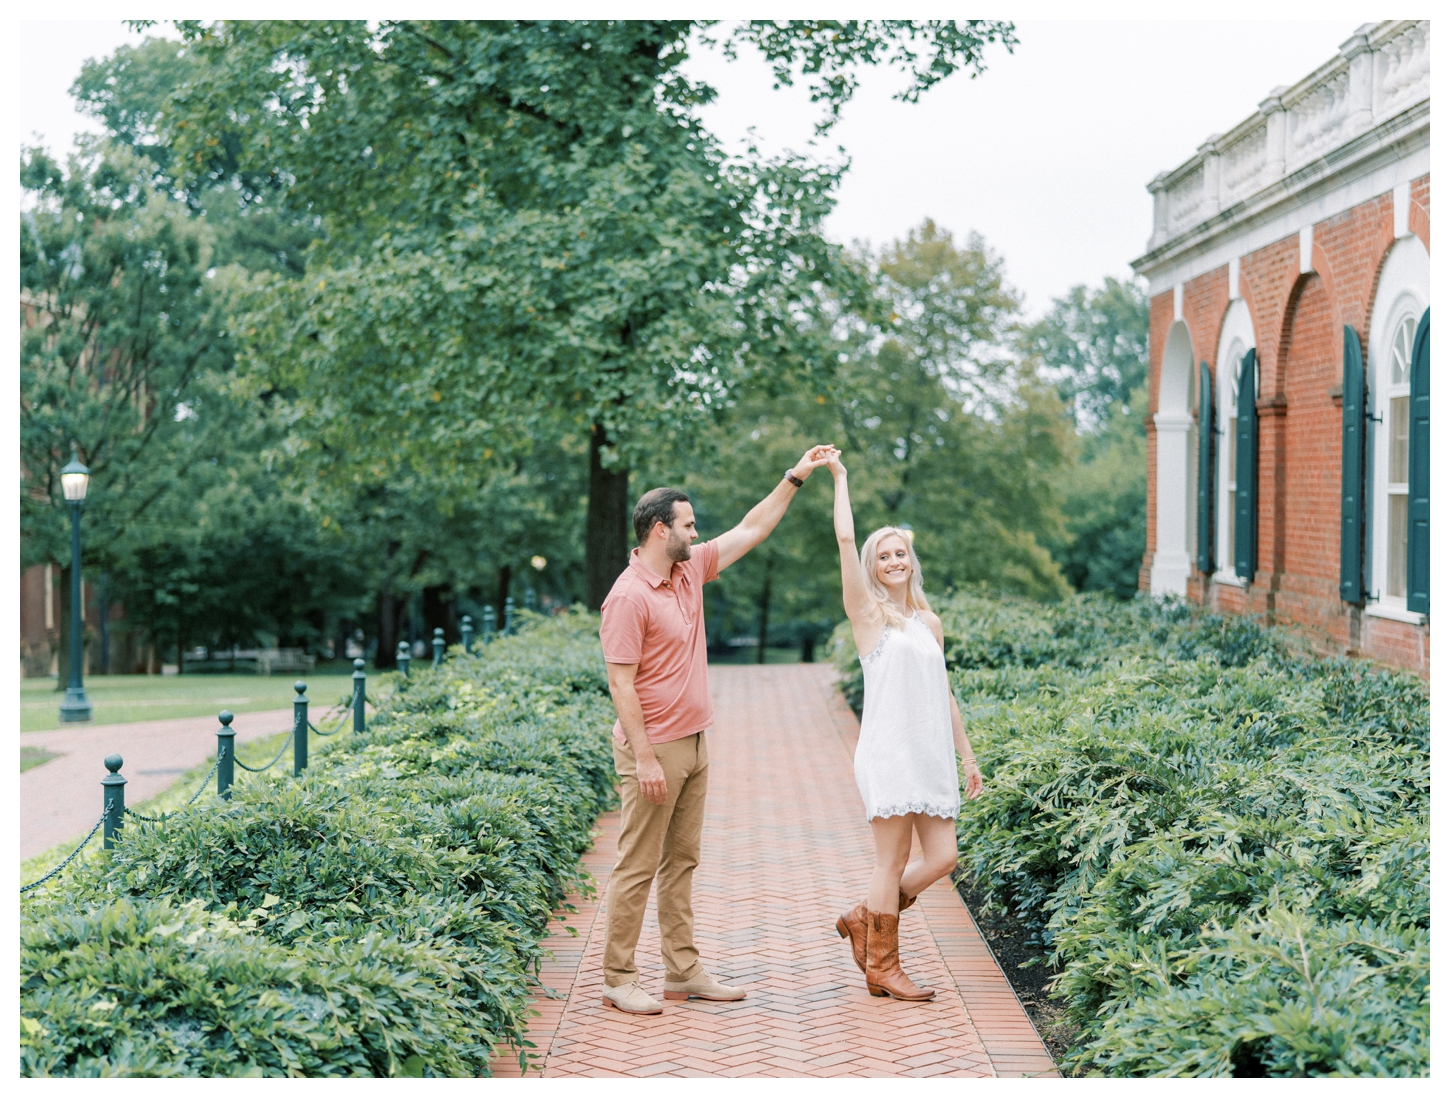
column 1205, row 469
column 1417, row 568
column 1246, row 473
column 1351, row 476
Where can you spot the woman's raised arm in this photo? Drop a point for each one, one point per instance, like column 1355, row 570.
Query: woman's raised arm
column 853, row 585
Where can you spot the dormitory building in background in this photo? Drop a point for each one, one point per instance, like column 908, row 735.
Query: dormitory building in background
column 1289, row 372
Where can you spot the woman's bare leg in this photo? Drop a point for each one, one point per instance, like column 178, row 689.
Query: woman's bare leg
column 938, row 837
column 893, row 848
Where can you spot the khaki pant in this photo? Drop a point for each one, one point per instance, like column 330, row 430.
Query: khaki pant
column 657, row 841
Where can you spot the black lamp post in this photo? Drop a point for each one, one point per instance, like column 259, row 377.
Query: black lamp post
column 75, row 478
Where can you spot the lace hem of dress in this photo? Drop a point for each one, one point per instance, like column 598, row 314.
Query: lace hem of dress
column 921, row 808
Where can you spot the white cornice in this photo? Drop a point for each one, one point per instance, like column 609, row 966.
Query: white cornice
column 1349, row 118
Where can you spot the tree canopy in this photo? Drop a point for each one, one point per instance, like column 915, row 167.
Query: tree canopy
column 526, row 230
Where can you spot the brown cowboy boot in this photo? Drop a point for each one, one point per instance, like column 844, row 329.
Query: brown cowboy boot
column 852, row 924
column 883, row 965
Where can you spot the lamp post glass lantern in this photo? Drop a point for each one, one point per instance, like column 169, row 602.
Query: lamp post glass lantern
column 75, row 480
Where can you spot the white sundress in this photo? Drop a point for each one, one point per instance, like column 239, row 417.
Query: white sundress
column 906, row 760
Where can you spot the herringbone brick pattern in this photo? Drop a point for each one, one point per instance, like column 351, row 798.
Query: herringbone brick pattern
column 786, row 848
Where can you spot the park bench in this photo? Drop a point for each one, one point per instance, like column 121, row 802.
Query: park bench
column 283, row 659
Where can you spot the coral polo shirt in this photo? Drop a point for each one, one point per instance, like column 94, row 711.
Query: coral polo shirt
column 660, row 625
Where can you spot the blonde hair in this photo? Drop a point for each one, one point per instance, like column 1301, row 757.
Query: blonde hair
column 915, row 595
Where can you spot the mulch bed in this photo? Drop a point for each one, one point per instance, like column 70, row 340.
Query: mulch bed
column 1013, row 944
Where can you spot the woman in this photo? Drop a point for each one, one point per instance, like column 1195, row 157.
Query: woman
column 905, row 763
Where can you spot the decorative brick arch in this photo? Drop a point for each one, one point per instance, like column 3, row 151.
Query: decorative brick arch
column 1384, row 244
column 1420, row 223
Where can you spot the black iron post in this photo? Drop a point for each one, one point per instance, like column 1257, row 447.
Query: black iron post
column 226, row 737
column 113, row 800
column 405, row 657
column 299, row 728
column 466, row 629
column 76, row 707
column 438, row 646
column 359, row 696
column 508, row 616
column 488, row 618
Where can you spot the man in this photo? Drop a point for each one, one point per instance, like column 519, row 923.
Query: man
column 653, row 633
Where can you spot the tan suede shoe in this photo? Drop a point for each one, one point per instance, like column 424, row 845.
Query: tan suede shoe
column 631, row 999
column 703, row 986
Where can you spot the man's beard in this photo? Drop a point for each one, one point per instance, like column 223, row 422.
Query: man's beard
column 677, row 549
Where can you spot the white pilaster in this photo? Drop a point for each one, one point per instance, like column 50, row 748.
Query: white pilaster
column 1233, row 280
column 1178, row 301
column 1171, row 562
column 1306, row 249
column 1402, row 209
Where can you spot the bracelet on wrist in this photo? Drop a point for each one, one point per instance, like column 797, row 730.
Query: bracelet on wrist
column 790, row 476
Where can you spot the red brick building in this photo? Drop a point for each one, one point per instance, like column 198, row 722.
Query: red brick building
column 1288, row 435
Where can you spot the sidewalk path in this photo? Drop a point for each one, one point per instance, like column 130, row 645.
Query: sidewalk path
column 61, row 799
column 786, row 848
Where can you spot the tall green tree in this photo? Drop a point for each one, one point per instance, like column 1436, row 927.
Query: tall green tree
column 127, row 357
column 527, row 231
column 1092, row 344
column 122, row 329
column 943, row 429
column 949, row 433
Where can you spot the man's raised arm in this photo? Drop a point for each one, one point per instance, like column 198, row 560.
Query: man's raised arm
column 761, row 519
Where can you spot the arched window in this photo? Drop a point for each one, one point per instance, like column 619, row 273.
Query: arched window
column 1401, row 299
column 1397, row 488
column 1235, row 340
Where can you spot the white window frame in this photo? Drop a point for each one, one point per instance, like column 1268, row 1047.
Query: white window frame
column 1401, row 298
column 1235, row 339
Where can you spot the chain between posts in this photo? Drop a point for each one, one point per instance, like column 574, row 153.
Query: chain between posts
column 167, row 815
column 69, row 857
column 258, row 769
column 338, row 727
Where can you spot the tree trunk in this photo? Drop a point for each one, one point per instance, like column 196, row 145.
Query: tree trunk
column 103, row 607
column 62, row 624
column 764, row 612
column 606, row 542
column 433, row 616
column 387, row 656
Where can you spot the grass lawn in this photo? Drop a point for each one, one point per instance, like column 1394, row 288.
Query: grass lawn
column 120, row 699
column 34, row 756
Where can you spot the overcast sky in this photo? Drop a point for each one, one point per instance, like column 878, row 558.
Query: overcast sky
column 1046, row 155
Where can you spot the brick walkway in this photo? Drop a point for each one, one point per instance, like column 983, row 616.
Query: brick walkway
column 786, row 848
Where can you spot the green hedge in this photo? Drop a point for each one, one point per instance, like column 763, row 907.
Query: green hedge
column 1224, row 844
column 381, row 916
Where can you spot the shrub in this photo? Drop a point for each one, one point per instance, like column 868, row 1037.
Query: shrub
column 1222, row 843
column 379, row 916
